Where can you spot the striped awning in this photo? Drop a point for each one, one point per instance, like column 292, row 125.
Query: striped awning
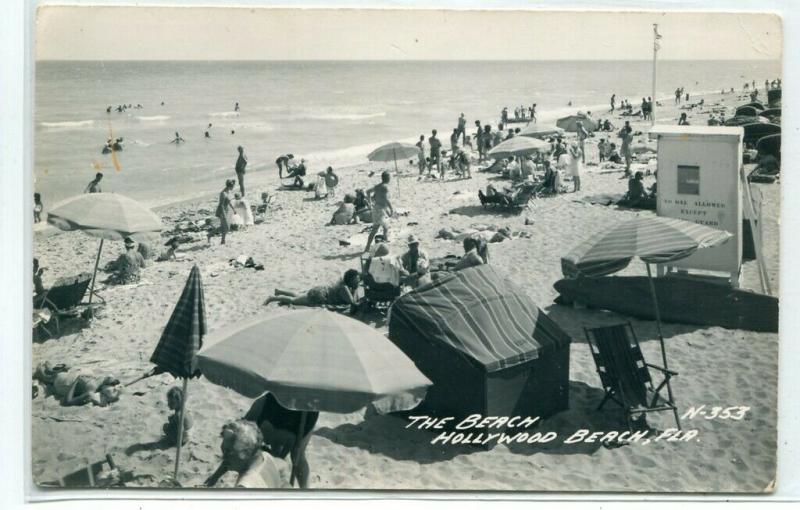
column 654, row 239
column 481, row 315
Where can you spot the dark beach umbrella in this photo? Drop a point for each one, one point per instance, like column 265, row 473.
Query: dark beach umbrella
column 756, row 105
column 570, row 123
column 756, row 130
column 771, row 145
column 747, row 111
column 771, row 113
column 741, row 120
column 181, row 340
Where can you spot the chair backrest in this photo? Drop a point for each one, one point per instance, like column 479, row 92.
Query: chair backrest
column 620, row 362
column 68, row 292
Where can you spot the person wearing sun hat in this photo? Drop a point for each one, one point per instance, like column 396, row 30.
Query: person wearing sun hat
column 128, row 264
column 414, row 263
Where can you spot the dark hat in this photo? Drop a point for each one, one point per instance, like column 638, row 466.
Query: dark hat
column 129, row 242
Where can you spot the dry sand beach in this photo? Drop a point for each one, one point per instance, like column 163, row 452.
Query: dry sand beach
column 363, row 450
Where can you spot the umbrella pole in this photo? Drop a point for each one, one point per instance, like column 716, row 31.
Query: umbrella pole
column 94, row 275
column 180, row 428
column 296, row 450
column 660, row 334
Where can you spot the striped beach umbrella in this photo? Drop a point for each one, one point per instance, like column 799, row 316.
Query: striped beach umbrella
column 182, row 338
column 654, row 239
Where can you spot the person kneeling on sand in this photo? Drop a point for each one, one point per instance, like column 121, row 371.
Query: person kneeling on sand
column 340, row 293
column 170, row 429
column 345, row 214
column 242, row 452
column 75, row 389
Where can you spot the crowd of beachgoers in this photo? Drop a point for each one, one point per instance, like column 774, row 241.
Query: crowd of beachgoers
column 327, row 238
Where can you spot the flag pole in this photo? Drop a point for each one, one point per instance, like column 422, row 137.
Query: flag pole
column 656, row 37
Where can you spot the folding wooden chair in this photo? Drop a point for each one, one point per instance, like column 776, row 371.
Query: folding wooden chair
column 63, row 299
column 626, row 376
column 90, row 476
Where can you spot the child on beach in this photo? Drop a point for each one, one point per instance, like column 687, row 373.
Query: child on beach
column 170, row 429
column 225, row 209
column 340, row 293
column 421, row 160
column 382, row 208
column 37, row 207
column 331, row 181
column 601, row 149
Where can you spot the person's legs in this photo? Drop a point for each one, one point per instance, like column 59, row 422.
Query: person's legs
column 301, row 300
column 240, row 177
column 375, row 227
column 280, row 292
column 223, row 228
column 577, row 180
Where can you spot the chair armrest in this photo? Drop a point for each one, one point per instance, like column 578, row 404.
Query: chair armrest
column 666, row 371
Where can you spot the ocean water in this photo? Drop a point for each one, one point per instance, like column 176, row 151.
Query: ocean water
column 331, row 113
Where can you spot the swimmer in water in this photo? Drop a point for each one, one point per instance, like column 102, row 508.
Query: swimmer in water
column 208, row 129
column 236, row 108
column 177, row 139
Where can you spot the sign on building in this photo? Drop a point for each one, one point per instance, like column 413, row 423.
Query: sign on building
column 699, row 181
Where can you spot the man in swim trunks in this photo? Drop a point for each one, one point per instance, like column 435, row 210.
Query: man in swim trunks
column 436, row 148
column 241, row 165
column 94, row 186
column 462, row 128
column 382, row 208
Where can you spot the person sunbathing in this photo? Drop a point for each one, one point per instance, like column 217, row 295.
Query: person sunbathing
column 476, row 253
column 336, row 294
column 74, row 389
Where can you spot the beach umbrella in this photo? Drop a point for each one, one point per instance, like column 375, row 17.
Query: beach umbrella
column 570, row 123
column 182, row 338
column 518, row 146
column 756, row 105
column 104, row 215
column 771, row 113
column 313, row 360
column 741, row 120
column 747, row 111
column 770, row 144
column 392, row 151
column 756, row 130
column 540, row 131
column 654, row 239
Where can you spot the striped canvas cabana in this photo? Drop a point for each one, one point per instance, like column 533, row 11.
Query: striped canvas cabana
column 485, row 345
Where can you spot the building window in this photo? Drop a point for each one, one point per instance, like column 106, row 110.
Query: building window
column 688, row 180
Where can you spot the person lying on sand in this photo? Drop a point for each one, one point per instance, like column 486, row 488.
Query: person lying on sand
column 170, row 429
column 476, row 252
column 340, row 293
column 74, row 389
column 241, row 447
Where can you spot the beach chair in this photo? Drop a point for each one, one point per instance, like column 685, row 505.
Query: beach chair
column 91, row 476
column 626, row 376
column 64, row 299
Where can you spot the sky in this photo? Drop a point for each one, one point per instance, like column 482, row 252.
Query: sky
column 226, row 33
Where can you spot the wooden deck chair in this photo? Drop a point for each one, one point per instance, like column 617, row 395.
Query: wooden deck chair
column 89, row 476
column 625, row 375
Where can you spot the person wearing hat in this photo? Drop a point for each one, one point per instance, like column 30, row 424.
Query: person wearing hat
column 126, row 267
column 415, row 263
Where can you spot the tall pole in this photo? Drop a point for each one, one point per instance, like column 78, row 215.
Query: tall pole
column 656, row 37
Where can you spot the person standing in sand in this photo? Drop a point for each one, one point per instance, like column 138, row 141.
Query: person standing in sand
column 421, row 155
column 241, row 165
column 225, row 209
column 582, row 136
column 575, row 163
column 382, row 208
column 627, row 139
column 462, row 128
column 436, row 149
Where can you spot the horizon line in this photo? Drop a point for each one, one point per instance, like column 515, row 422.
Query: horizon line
column 409, row 60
